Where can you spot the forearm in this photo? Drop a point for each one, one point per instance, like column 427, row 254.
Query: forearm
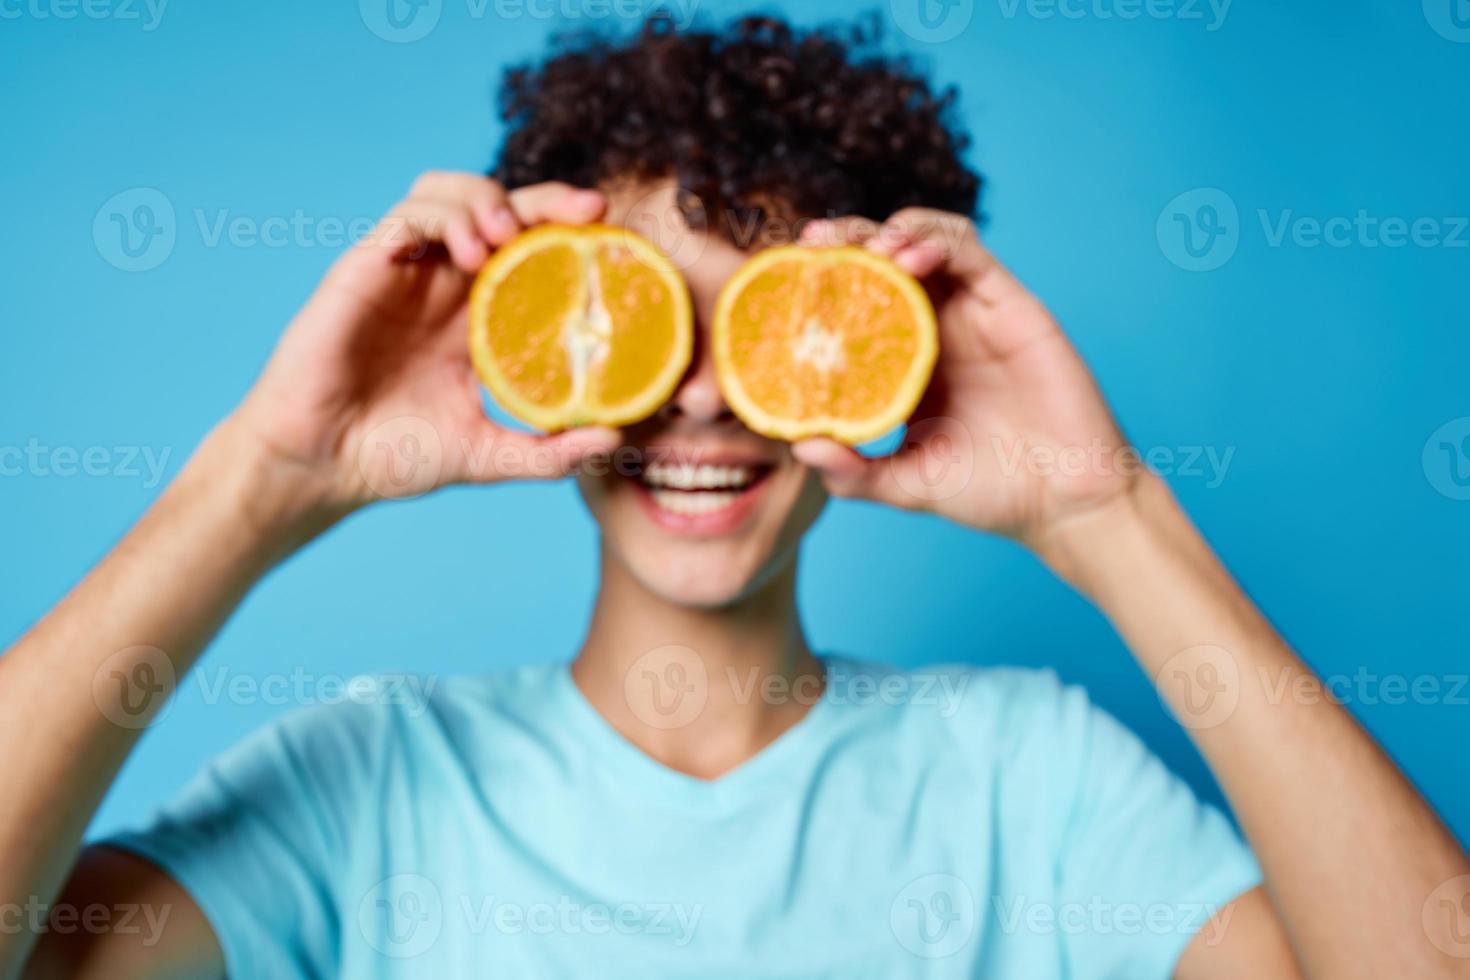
column 78, row 688
column 1349, row 849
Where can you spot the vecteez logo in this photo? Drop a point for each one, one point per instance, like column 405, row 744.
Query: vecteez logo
column 1199, row 230
column 667, row 687
column 401, row 21
column 1200, row 686
column 1446, row 459
column 942, row 453
column 934, row 916
column 401, row 916
column 405, row 21
column 134, row 687
column 932, row 21
column 148, row 13
column 1449, row 18
column 1210, row 13
column 135, row 230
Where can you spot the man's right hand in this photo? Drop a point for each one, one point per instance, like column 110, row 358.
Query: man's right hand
column 370, row 392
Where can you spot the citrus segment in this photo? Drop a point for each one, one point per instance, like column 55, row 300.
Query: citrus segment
column 644, row 323
column 577, row 325
column 534, row 300
column 823, row 341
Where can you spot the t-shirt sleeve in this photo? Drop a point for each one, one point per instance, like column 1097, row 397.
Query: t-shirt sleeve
column 1144, row 865
column 254, row 836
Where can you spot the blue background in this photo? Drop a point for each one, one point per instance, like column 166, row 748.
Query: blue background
column 1324, row 369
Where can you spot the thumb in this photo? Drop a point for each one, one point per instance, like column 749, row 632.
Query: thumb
column 570, row 449
column 845, row 472
column 506, row 454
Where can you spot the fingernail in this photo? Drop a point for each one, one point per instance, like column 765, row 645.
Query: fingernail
column 910, row 260
column 803, row 453
column 503, row 223
column 596, row 439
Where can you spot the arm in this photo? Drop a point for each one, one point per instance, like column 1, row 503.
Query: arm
column 1351, row 853
column 1350, row 850
column 376, row 356
column 166, row 587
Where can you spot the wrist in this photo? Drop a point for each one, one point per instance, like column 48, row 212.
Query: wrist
column 1093, row 549
column 280, row 505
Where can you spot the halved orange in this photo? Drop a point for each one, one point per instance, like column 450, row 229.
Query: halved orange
column 823, row 341
column 579, row 325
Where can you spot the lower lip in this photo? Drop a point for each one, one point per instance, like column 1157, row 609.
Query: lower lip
column 708, row 524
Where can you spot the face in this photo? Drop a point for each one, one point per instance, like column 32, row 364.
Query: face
column 715, row 509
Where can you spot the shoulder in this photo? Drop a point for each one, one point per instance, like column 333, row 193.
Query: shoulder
column 961, row 689
column 991, row 711
column 376, row 719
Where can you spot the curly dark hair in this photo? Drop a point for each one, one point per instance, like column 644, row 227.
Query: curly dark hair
column 756, row 121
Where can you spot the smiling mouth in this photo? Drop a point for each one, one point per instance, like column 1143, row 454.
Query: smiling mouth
column 707, row 496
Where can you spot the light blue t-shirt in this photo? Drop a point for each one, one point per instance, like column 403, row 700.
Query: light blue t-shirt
column 944, row 822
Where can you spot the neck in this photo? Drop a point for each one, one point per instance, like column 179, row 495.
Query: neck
column 693, row 687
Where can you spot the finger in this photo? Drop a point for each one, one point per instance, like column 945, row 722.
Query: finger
column 850, row 230
column 922, row 259
column 914, row 237
column 846, row 473
column 511, row 455
column 416, row 223
column 574, row 447
column 484, row 198
column 555, row 201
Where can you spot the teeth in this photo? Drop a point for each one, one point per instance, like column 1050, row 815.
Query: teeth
column 685, row 476
column 704, row 502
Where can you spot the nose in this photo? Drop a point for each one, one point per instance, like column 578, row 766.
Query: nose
column 698, row 397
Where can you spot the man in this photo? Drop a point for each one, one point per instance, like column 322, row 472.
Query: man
column 642, row 812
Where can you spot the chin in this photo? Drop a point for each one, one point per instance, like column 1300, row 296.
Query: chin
column 705, row 527
column 698, row 581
